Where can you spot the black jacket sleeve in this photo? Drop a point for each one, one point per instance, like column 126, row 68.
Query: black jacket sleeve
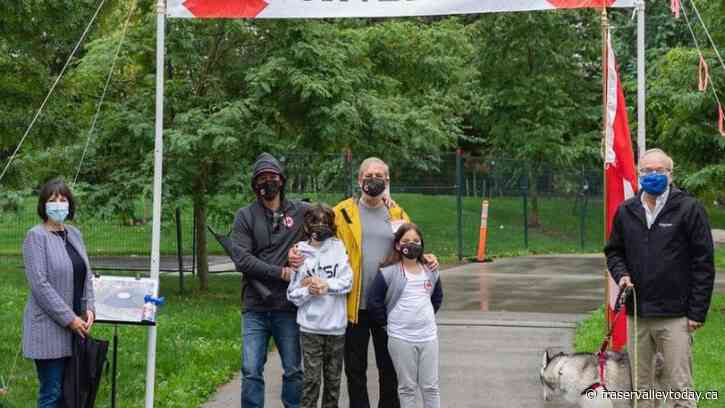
column 437, row 297
column 244, row 260
column 703, row 265
column 614, row 250
column 376, row 300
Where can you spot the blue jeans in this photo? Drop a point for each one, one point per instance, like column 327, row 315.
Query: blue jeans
column 50, row 376
column 258, row 328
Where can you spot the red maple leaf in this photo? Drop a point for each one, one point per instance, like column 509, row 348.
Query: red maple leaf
column 580, row 3
column 225, row 8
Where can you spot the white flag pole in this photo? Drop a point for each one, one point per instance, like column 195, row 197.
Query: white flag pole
column 158, row 172
column 641, row 81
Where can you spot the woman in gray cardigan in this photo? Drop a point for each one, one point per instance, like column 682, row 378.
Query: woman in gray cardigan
column 61, row 299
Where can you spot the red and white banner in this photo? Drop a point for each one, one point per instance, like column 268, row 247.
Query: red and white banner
column 367, row 8
column 704, row 75
column 621, row 175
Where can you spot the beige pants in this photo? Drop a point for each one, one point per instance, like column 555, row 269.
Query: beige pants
column 670, row 337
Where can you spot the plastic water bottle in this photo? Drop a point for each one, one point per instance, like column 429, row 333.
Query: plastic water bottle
column 149, row 310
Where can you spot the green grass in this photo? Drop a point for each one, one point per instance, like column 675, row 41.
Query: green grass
column 436, row 214
column 559, row 232
column 708, row 357
column 716, row 215
column 199, row 345
column 109, row 236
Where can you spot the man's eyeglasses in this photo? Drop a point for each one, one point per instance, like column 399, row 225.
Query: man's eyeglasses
column 658, row 170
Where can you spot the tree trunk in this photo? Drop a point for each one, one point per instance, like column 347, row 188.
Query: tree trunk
column 534, row 221
column 202, row 259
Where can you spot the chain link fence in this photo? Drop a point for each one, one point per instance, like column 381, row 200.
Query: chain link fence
column 533, row 209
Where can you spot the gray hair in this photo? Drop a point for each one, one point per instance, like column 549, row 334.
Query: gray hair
column 668, row 159
column 369, row 162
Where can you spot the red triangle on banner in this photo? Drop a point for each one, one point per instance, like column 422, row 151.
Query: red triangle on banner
column 225, row 8
column 581, row 3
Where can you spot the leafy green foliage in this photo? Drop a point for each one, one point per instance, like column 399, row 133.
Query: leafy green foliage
column 525, row 86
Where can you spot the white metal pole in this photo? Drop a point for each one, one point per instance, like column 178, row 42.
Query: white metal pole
column 158, row 172
column 641, row 81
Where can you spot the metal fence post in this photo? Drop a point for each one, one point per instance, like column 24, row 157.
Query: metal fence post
column 179, row 250
column 525, row 196
column 193, row 243
column 459, row 200
column 583, row 212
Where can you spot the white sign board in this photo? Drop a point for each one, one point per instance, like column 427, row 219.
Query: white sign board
column 121, row 299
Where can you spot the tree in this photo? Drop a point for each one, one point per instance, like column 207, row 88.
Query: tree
column 36, row 38
column 542, row 86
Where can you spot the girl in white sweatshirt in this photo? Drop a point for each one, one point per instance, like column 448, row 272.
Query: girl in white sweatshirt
column 319, row 290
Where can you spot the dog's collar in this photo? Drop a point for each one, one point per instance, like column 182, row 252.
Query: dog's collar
column 594, row 387
column 602, row 358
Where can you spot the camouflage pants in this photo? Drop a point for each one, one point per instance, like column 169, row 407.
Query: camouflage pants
column 322, row 356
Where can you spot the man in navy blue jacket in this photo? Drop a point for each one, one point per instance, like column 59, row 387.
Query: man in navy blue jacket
column 661, row 244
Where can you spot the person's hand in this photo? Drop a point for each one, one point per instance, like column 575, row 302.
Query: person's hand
column 625, row 282
column 306, row 282
column 78, row 327
column 431, row 261
column 693, row 325
column 287, row 273
column 295, row 259
column 314, row 285
column 89, row 320
column 320, row 287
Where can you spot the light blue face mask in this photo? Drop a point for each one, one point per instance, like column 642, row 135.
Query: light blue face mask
column 57, row 212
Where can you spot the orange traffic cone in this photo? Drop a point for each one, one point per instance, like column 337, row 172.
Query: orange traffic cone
column 483, row 233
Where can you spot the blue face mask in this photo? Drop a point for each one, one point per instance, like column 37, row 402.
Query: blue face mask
column 57, row 212
column 654, row 183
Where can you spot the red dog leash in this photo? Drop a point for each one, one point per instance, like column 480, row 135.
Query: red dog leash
column 602, row 354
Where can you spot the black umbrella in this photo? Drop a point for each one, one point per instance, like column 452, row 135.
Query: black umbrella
column 82, row 375
column 234, row 253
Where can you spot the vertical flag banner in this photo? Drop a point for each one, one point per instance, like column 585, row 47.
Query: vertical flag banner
column 367, row 8
column 620, row 171
column 675, row 6
column 704, row 75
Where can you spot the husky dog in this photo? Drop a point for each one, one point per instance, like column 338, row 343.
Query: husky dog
column 571, row 375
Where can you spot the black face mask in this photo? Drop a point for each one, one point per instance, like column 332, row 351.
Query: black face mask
column 411, row 250
column 268, row 189
column 320, row 232
column 373, row 186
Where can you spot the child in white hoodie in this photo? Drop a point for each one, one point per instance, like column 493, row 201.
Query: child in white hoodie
column 319, row 290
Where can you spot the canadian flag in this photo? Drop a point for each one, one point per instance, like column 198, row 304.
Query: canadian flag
column 366, row 8
column 621, row 176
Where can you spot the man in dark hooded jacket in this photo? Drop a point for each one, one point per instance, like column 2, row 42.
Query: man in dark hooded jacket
column 661, row 244
column 264, row 231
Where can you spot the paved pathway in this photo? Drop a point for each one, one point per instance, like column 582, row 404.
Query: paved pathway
column 487, row 360
column 718, row 236
column 495, row 323
column 491, row 338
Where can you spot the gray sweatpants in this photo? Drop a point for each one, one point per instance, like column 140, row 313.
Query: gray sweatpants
column 417, row 367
